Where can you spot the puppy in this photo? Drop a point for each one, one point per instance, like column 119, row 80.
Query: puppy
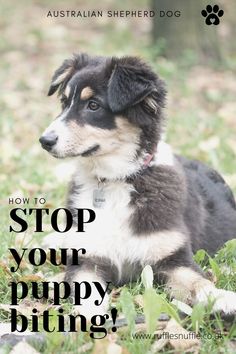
column 152, row 207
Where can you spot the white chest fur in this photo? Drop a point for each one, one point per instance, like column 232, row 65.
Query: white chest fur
column 108, row 234
column 111, row 235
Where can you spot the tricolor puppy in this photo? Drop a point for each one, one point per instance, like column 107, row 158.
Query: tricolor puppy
column 152, row 207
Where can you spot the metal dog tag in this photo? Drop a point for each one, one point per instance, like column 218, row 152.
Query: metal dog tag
column 99, row 199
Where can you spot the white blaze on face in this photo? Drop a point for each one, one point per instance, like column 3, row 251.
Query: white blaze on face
column 59, row 127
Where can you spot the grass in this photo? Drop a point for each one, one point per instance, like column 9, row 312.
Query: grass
column 201, row 125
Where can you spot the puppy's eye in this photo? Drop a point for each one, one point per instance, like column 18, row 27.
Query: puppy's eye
column 93, row 106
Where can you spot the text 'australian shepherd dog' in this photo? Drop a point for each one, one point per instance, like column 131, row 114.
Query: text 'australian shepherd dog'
column 152, row 207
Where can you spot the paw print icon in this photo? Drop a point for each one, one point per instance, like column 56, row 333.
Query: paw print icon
column 212, row 15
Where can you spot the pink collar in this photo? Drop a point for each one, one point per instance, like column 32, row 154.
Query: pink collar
column 148, row 159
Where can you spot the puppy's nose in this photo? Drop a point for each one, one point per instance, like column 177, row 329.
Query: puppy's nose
column 48, row 140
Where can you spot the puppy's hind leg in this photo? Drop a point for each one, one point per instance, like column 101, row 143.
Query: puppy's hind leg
column 189, row 285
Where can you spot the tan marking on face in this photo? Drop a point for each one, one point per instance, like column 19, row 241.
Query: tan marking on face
column 86, row 93
column 67, row 91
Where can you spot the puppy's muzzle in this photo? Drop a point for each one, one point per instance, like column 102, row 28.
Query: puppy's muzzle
column 48, row 140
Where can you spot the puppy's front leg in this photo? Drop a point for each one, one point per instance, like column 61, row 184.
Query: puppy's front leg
column 188, row 285
column 97, row 302
column 97, row 274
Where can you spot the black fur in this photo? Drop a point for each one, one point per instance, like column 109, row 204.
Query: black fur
column 210, row 211
column 158, row 199
column 195, row 199
column 130, row 82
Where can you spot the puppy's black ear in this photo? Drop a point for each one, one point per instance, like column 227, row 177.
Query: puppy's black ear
column 131, row 81
column 65, row 72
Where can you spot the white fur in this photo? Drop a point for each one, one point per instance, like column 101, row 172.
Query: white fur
column 61, row 129
column 88, row 307
column 164, row 155
column 223, row 300
column 118, row 165
column 121, row 163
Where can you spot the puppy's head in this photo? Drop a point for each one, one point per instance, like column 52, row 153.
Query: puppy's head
column 109, row 105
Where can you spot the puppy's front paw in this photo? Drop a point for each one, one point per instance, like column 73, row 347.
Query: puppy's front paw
column 224, row 301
